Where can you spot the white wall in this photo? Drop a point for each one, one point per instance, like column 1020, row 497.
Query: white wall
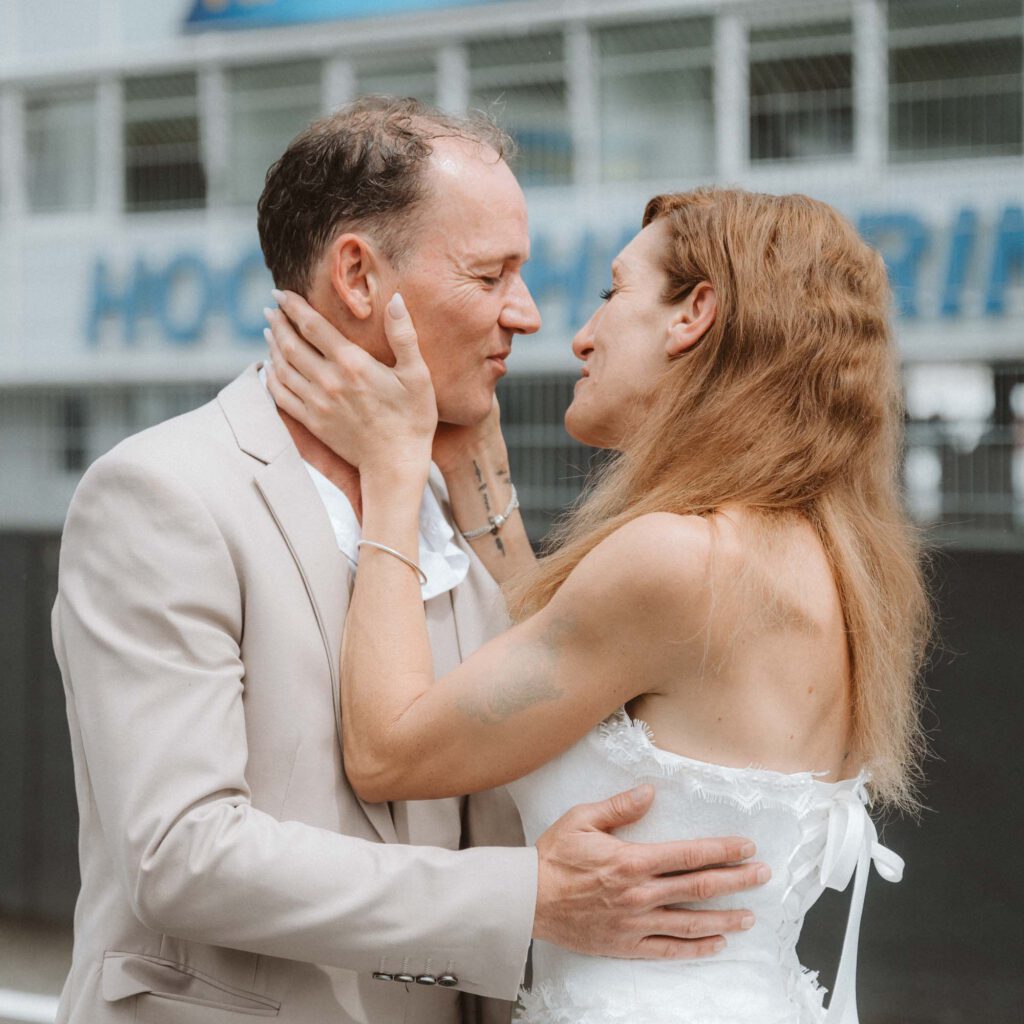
column 47, row 28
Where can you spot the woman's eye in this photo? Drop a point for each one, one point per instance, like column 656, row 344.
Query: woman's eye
column 607, row 294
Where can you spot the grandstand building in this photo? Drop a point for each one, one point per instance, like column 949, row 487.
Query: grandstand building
column 134, row 139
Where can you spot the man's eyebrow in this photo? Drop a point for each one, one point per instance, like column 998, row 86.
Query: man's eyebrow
column 509, row 257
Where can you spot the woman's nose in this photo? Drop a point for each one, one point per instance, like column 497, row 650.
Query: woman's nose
column 582, row 343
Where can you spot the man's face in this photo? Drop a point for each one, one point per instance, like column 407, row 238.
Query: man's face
column 462, row 280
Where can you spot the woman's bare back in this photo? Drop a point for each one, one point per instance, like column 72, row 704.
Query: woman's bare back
column 767, row 680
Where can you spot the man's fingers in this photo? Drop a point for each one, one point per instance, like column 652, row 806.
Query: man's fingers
column 700, row 886
column 618, row 810
column 695, row 924
column 664, row 947
column 695, row 854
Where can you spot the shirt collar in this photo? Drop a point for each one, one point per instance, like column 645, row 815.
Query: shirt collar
column 443, row 562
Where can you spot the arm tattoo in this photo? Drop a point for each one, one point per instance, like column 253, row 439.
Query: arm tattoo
column 526, row 677
column 481, row 486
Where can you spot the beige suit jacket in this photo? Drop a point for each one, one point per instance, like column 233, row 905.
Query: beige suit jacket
column 228, row 869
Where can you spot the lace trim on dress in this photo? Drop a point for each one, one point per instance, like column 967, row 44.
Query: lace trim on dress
column 629, row 743
column 551, row 1003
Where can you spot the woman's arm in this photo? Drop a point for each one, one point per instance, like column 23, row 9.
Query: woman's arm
column 618, row 627
column 475, row 466
column 621, row 625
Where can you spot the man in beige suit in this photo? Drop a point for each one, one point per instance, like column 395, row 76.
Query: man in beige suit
column 228, row 869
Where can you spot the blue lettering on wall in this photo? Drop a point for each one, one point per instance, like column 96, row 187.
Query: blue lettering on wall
column 902, row 239
column 126, row 303
column 961, row 248
column 181, row 296
column 187, row 330
column 156, row 292
column 248, row 324
column 1009, row 256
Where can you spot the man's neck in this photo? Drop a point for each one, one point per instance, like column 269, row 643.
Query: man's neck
column 342, row 474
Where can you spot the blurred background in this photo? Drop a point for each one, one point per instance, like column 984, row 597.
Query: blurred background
column 134, row 138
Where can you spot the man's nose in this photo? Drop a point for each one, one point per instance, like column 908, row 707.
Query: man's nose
column 520, row 313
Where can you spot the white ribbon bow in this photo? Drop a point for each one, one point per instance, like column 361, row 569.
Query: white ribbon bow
column 851, row 848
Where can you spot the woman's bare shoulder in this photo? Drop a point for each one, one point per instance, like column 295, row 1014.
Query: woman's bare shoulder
column 647, row 567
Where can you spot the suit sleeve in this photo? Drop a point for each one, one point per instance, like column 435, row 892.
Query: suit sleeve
column 148, row 622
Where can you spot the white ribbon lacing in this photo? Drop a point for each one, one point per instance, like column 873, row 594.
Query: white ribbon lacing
column 851, row 848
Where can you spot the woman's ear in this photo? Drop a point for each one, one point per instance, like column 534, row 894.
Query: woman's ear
column 692, row 319
column 355, row 274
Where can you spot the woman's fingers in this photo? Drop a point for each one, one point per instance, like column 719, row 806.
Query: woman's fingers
column 285, row 399
column 301, row 355
column 362, row 409
column 401, row 335
column 318, row 331
column 290, row 345
column 287, row 374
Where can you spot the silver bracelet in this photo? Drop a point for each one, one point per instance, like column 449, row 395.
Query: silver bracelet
column 398, row 554
column 495, row 523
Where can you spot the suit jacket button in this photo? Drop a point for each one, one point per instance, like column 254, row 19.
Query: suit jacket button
column 448, row 981
column 404, row 978
column 426, row 979
column 383, row 976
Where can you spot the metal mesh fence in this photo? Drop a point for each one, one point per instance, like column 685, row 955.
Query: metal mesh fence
column 801, row 91
column 522, row 82
column 950, row 85
column 643, row 91
column 398, row 74
column 163, row 159
column 963, row 473
column 60, row 134
column 656, row 99
column 549, row 467
column 269, row 104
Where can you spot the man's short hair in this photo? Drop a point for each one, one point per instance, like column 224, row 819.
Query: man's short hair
column 362, row 168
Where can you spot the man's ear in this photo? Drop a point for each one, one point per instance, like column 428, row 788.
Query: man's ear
column 355, row 274
column 692, row 319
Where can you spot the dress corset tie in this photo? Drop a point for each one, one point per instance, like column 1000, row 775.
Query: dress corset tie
column 851, row 848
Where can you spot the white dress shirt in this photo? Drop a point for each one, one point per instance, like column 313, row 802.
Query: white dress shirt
column 444, row 564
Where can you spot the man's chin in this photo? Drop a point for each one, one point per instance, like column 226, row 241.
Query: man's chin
column 468, row 413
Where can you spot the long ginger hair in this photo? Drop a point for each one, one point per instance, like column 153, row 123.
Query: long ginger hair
column 789, row 405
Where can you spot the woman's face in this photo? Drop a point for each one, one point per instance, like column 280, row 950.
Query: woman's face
column 627, row 344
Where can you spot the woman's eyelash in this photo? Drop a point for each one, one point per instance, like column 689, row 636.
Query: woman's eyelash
column 607, row 294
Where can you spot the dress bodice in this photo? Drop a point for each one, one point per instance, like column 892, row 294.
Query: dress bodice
column 811, row 833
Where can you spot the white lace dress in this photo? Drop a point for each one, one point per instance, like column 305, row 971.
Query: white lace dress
column 813, row 834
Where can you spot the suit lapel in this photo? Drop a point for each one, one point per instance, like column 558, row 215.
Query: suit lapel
column 291, row 497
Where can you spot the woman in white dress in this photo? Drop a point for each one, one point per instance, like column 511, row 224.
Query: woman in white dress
column 734, row 614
